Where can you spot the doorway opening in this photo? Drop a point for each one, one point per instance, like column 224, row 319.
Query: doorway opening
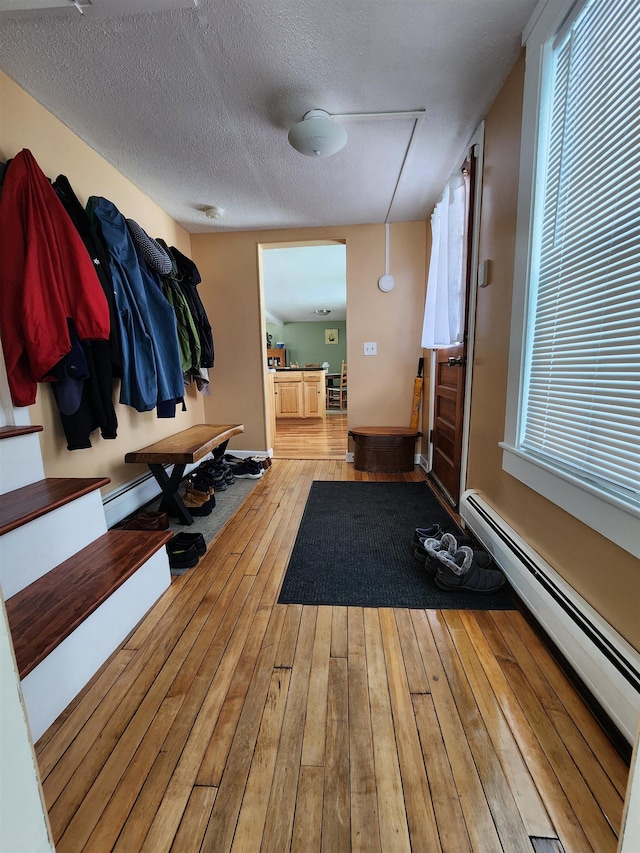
column 304, row 299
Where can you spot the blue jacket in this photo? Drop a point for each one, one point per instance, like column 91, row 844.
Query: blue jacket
column 151, row 369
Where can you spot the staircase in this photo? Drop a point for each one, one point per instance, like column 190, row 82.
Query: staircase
column 73, row 589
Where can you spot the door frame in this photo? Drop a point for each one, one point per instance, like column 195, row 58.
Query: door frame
column 289, row 244
column 476, row 144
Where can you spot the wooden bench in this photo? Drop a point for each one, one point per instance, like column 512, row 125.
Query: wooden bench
column 182, row 449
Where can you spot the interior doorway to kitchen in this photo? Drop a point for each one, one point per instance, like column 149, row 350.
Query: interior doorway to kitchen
column 304, row 298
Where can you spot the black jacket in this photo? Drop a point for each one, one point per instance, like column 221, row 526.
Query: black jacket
column 188, row 281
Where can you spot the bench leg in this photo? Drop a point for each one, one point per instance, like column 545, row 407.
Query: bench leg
column 219, row 451
column 171, row 502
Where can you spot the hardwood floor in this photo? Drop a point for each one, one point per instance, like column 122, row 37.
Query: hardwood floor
column 311, row 438
column 229, row 722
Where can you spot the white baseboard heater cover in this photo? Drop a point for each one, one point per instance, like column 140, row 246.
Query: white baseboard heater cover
column 607, row 664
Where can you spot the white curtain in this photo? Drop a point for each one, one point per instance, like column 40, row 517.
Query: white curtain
column 444, row 308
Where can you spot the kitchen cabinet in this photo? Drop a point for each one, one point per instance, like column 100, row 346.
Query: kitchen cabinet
column 300, row 394
column 288, row 393
column 314, row 394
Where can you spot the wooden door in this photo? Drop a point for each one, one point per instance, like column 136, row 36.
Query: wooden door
column 447, row 419
column 448, row 413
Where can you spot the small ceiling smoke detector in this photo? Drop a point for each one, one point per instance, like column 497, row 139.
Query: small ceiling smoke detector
column 214, row 212
column 322, row 312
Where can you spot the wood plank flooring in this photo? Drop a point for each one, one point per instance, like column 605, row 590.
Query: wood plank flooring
column 311, row 438
column 228, row 722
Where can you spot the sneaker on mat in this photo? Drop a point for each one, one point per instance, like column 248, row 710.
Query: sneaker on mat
column 434, row 531
column 264, row 461
column 235, row 463
column 244, row 471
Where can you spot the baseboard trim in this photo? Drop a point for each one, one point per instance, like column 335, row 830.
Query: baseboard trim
column 602, row 659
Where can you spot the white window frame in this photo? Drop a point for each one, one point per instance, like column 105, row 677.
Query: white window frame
column 597, row 508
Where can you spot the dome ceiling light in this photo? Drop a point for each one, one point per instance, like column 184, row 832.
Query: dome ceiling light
column 322, row 312
column 214, row 212
column 318, row 135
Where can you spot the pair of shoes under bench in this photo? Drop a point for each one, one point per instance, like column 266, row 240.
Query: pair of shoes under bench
column 245, row 469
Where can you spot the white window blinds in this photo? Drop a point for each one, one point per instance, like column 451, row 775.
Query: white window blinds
column 581, row 402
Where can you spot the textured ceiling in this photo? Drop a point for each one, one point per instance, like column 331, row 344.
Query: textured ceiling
column 194, row 105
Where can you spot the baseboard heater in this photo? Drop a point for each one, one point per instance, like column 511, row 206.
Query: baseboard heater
column 605, row 662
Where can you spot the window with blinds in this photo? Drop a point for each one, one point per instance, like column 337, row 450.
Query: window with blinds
column 580, row 394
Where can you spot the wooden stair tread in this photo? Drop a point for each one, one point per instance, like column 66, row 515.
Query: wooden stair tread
column 47, row 611
column 13, row 431
column 23, row 505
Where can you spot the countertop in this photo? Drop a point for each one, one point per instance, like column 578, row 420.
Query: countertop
column 287, row 369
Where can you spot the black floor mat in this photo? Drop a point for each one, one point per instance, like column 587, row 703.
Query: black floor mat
column 353, row 548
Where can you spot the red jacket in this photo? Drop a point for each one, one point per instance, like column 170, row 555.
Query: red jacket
column 46, row 276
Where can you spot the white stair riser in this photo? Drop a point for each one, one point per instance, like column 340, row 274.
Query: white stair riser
column 30, row 551
column 48, row 689
column 20, row 462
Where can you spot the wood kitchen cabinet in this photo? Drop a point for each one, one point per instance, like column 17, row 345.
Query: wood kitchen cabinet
column 300, row 394
column 314, row 394
column 288, row 392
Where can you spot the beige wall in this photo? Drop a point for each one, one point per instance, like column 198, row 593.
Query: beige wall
column 380, row 387
column 602, row 573
column 25, row 124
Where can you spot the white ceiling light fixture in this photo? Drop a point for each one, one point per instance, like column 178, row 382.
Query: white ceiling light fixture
column 322, row 312
column 318, row 135
column 214, row 212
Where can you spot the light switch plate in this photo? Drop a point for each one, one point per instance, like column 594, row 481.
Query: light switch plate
column 371, row 348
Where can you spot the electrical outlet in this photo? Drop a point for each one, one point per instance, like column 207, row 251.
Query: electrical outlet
column 371, row 348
